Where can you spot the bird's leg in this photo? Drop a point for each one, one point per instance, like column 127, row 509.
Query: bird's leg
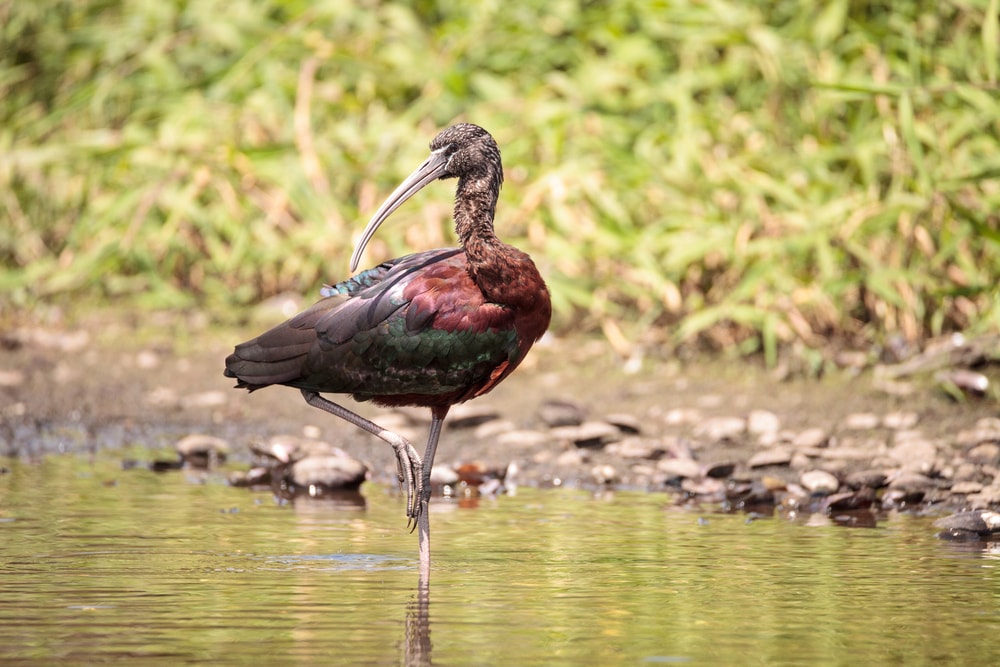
column 423, row 518
column 410, row 467
column 437, row 421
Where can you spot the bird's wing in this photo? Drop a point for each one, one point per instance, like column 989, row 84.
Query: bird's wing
column 423, row 328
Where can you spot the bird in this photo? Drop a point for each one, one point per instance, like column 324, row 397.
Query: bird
column 431, row 329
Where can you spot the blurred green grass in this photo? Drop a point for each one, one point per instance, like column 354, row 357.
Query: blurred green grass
column 744, row 174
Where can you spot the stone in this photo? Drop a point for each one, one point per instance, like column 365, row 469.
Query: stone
column 556, row 413
column 682, row 416
column 11, row 378
column 587, row 434
column 872, row 479
column 850, row 500
column 720, row 470
column 901, row 498
column 635, row 448
column 819, row 482
column 202, row 451
column 705, row 486
column 444, row 475
column 625, row 423
column 687, row 468
column 777, row 456
column 989, row 497
column 286, row 448
column 846, row 453
column 965, row 488
column 720, row 428
column 604, row 474
column 811, row 437
column 980, row 522
column 762, row 421
column 914, row 454
column 905, row 480
column 987, row 452
column 571, row 458
column 328, row 473
column 900, row 420
column 862, row 421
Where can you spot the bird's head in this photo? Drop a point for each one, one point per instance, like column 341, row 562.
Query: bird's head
column 461, row 151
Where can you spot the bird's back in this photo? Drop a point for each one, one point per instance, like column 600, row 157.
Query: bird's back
column 412, row 331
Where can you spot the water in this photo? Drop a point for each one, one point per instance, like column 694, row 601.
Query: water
column 100, row 564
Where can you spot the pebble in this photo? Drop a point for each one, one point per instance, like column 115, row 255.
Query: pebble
column 720, row 470
column 634, row 448
column 286, row 448
column 587, row 434
column 721, row 428
column 850, row 500
column 966, row 472
column 900, row 420
column 704, row 487
column 762, row 421
column 561, row 413
column 572, row 458
column 819, row 482
column 256, row 476
column 846, row 453
column 978, row 435
column 965, row 488
column 328, row 472
column 987, row 452
column 201, row 451
column 900, row 498
column 872, row 479
column 914, row 454
column 604, row 474
column 811, row 437
column 771, row 439
column 770, row 457
column 682, row 416
column 908, row 481
column 862, row 421
column 11, row 378
column 624, row 423
column 444, row 475
column 800, row 461
column 686, row 468
column 977, row 522
column 988, row 497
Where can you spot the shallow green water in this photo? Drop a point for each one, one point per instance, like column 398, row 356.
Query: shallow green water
column 99, row 564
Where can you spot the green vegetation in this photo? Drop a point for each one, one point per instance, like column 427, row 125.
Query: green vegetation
column 758, row 173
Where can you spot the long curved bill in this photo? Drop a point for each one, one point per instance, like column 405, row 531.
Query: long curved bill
column 432, row 169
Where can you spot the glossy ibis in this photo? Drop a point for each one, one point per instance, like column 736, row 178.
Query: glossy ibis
column 430, row 329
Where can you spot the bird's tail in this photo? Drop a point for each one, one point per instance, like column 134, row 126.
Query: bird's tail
column 278, row 356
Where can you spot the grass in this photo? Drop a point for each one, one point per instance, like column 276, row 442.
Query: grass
column 748, row 175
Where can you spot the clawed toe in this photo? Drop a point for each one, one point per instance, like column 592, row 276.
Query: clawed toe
column 410, row 472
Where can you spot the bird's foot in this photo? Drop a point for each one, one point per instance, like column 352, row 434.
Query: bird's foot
column 410, row 472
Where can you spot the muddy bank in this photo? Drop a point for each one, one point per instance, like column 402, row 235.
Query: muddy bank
column 710, row 432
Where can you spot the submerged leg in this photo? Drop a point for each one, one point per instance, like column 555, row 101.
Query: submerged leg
column 424, row 515
column 410, row 471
